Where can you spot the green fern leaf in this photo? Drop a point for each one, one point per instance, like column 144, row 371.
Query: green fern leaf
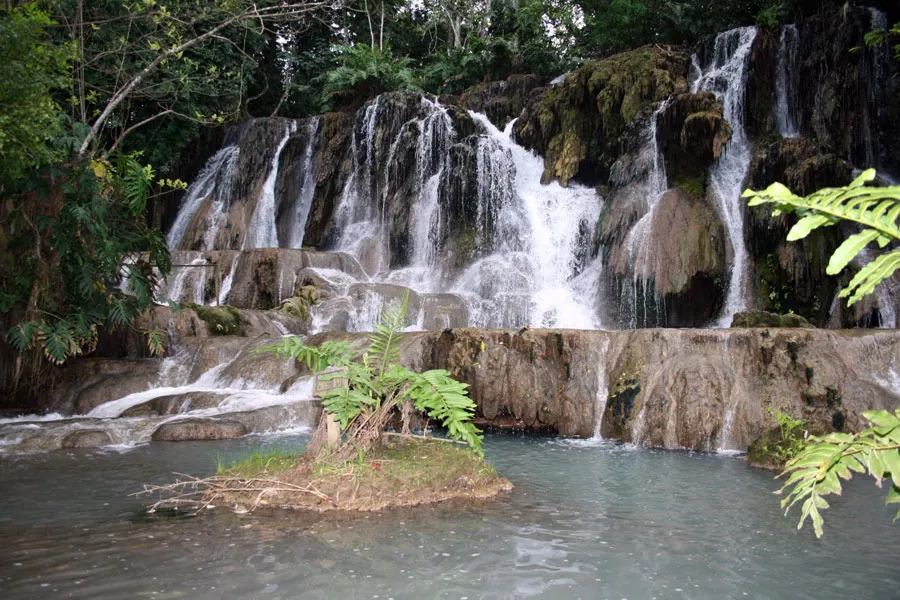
column 865, row 281
column 848, row 250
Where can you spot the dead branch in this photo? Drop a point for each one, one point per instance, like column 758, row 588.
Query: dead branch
column 199, row 493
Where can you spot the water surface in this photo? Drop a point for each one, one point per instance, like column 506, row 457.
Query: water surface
column 601, row 521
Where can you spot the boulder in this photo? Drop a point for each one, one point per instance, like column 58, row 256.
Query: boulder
column 761, row 318
column 199, row 429
column 87, row 438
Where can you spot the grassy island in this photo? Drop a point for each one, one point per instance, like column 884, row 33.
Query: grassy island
column 352, row 462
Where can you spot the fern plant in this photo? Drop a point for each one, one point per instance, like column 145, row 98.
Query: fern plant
column 818, row 469
column 876, row 209
column 378, row 386
column 822, row 462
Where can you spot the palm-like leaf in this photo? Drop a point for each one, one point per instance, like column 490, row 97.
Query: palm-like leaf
column 817, row 470
column 443, row 398
column 876, row 209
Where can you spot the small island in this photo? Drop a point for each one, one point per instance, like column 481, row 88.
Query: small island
column 352, row 462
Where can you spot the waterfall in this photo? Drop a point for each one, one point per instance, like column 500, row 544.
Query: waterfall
column 436, row 135
column 652, row 185
column 530, row 276
column 216, row 176
column 726, row 76
column 261, row 232
column 602, row 389
column 186, row 283
column 878, row 62
column 786, row 83
column 307, row 187
column 228, row 281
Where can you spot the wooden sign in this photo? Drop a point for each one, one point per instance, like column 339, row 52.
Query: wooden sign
column 331, row 378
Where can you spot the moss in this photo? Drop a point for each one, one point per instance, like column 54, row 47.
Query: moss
column 220, row 320
column 576, row 125
column 694, row 186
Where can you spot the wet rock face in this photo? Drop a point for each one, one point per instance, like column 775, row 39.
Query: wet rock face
column 576, row 125
column 692, row 134
column 199, row 429
column 677, row 265
column 501, row 101
column 699, row 389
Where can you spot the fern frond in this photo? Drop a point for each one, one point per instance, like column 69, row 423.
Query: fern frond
column 817, row 470
column 870, row 276
column 383, row 345
column 443, row 398
column 317, row 358
column 875, row 208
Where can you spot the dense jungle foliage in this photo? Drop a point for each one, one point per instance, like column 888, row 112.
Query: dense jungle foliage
column 100, row 102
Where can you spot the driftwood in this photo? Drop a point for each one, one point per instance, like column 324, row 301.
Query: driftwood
column 198, row 494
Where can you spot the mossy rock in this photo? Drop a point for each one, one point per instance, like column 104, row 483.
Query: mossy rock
column 576, row 125
column 220, row 320
column 770, row 450
column 761, row 318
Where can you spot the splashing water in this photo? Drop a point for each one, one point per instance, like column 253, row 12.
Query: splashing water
column 538, row 232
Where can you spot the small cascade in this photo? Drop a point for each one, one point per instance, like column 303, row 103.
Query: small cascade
column 878, row 62
column 307, row 187
column 436, row 135
column 651, row 185
column 228, row 282
column 496, row 181
column 235, row 389
column 602, row 389
column 186, row 282
column 216, row 177
column 787, row 83
column 538, row 235
column 262, row 233
column 726, row 76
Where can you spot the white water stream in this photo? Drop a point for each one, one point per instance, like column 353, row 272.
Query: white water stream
column 726, row 76
column 787, row 83
column 262, row 233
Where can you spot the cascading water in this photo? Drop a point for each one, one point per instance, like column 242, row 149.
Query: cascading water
column 787, row 83
column 726, row 76
column 307, row 187
column 878, row 63
column 216, row 177
column 262, row 233
column 530, row 276
column 652, row 185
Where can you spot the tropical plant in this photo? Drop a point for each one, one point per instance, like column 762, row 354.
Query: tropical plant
column 364, row 72
column 67, row 300
column 876, row 209
column 377, row 386
column 818, row 469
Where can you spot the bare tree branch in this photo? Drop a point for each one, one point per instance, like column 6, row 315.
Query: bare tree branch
column 278, row 13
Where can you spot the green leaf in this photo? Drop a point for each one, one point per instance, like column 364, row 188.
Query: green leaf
column 848, row 250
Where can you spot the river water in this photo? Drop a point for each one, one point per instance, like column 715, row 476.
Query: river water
column 584, row 521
